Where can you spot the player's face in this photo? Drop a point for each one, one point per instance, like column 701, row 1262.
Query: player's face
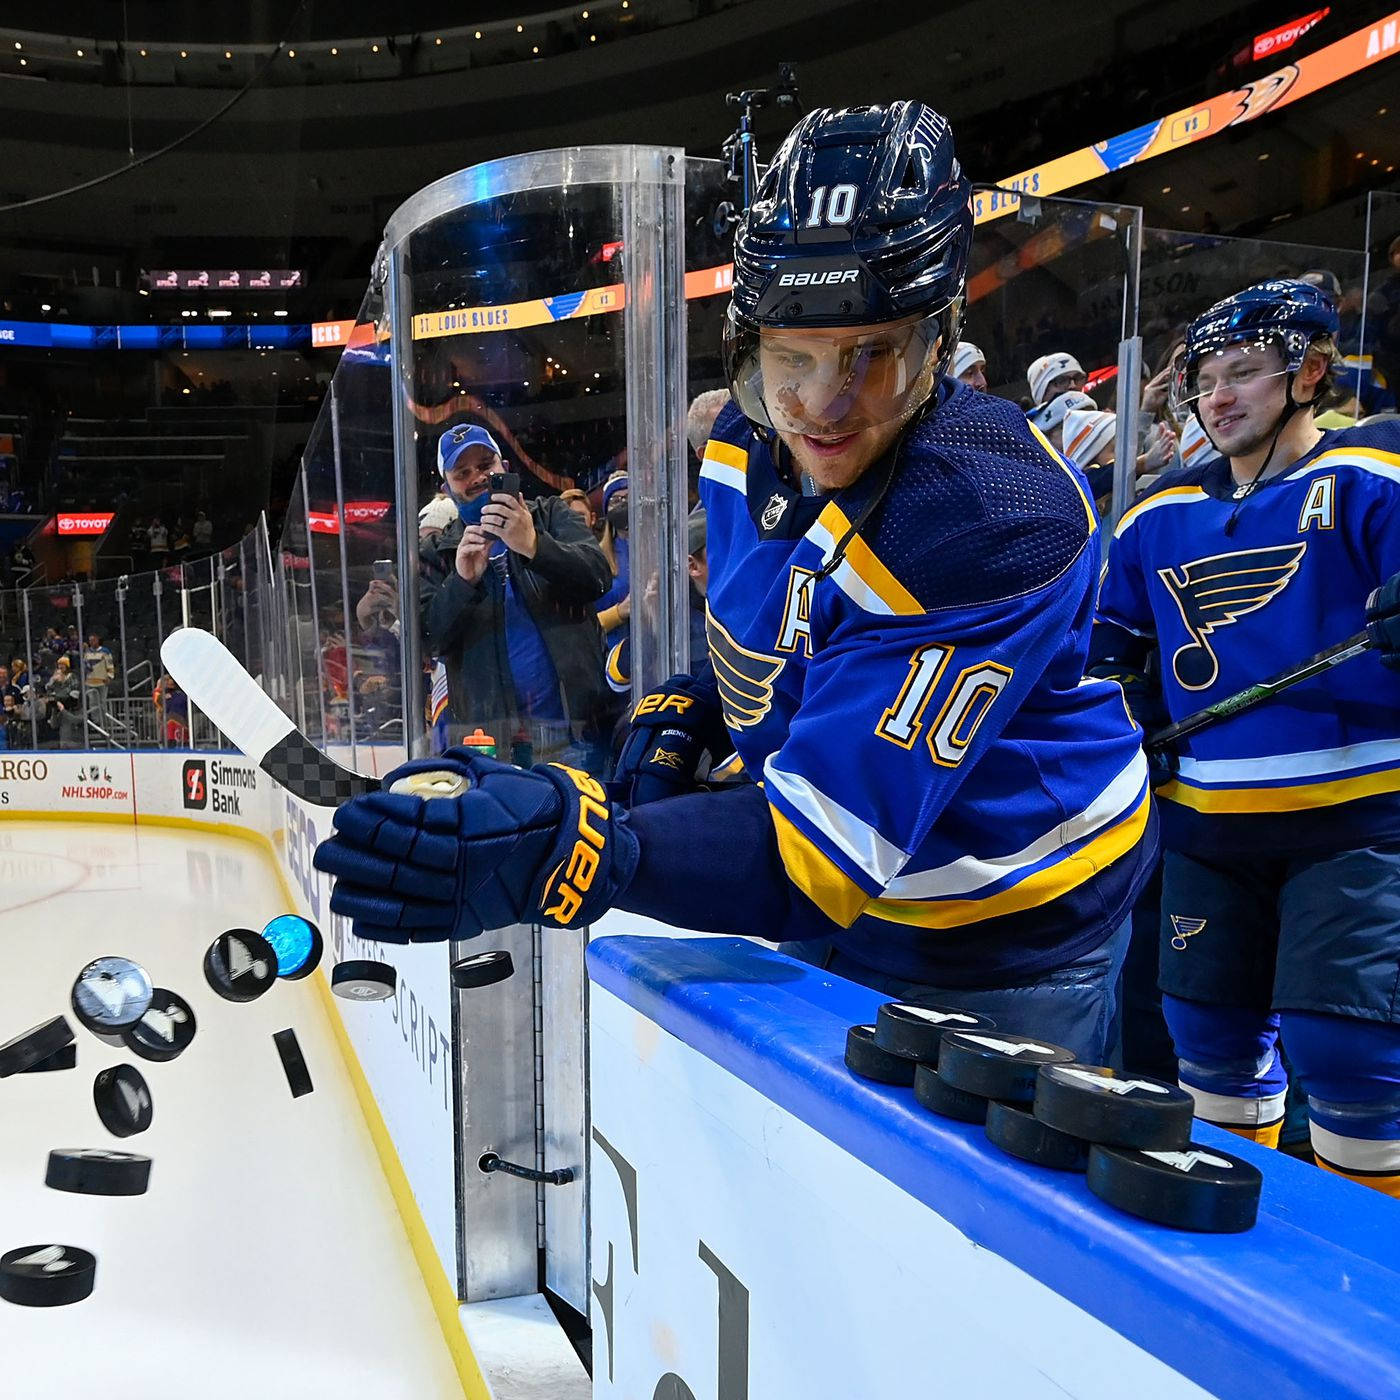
column 466, row 478
column 976, row 377
column 1240, row 396
column 839, row 397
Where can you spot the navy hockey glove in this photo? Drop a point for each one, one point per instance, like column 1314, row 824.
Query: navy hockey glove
column 670, row 731
column 519, row 846
column 1383, row 621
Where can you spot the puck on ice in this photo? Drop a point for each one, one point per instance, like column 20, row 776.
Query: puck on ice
column 95, row 1171
column 166, row 1029
column 297, row 943
column 46, row 1275
column 123, row 1100
column 362, row 979
column 1019, row 1133
column 293, row 1063
column 997, row 1064
column 34, row 1045
column 240, row 965
column 904, row 1028
column 67, row 1058
column 941, row 1098
column 1119, row 1110
column 1192, row 1188
column 109, row 995
column 482, row 969
column 865, row 1058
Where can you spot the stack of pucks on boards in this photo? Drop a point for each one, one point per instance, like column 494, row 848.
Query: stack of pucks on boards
column 1142, row 1159
column 904, row 1036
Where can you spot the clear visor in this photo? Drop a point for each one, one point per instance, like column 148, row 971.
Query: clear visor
column 1231, row 369
column 826, row 383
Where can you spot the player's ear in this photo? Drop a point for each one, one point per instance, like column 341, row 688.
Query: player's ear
column 1309, row 382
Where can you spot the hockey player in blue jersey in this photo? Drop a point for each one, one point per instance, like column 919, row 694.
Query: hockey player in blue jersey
column 901, row 592
column 1281, row 826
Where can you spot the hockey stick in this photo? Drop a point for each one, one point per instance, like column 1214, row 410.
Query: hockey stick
column 1256, row 694
column 211, row 676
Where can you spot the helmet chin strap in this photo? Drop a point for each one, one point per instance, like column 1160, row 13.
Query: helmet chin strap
column 1290, row 407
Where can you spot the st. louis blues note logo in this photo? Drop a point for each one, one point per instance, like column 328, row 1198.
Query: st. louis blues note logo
column 1213, row 592
column 1184, row 928
column 745, row 678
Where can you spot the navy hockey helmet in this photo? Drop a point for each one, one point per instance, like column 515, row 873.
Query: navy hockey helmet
column 1282, row 315
column 849, row 271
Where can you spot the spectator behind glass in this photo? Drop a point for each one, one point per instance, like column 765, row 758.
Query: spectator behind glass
column 65, row 714
column 699, row 424
column 159, row 538
column 615, row 606
column 1052, row 375
column 969, row 365
column 202, row 531
column 173, row 706
column 1050, row 417
column 99, row 670
column 508, row 593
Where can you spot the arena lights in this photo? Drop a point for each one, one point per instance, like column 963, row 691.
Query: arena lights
column 143, row 53
column 519, row 28
column 184, row 53
column 79, row 52
column 536, row 49
column 291, row 53
column 45, row 306
column 18, row 45
column 438, row 42
column 335, row 53
column 278, row 312
column 24, row 63
column 478, row 33
column 592, row 38
column 1263, row 155
column 374, row 48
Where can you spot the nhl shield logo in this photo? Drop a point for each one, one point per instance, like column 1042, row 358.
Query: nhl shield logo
column 773, row 511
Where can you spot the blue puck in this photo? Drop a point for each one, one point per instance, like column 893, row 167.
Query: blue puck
column 297, row 943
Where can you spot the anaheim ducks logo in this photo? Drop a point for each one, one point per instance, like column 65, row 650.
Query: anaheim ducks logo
column 745, row 677
column 1184, row 928
column 1213, row 592
column 1264, row 93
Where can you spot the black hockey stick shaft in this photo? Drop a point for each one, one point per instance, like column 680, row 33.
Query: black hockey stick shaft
column 1257, row 693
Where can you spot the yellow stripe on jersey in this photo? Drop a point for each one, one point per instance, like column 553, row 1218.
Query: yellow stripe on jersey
column 727, row 455
column 729, row 771
column 862, row 562
column 614, row 670
column 1297, row 798
column 817, row 875
column 1040, row 888
column 1065, row 467
column 1173, row 495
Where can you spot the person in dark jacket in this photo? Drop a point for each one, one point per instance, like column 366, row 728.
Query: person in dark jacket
column 508, row 594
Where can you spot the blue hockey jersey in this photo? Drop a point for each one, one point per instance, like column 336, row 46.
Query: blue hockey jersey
column 938, row 769
column 1232, row 590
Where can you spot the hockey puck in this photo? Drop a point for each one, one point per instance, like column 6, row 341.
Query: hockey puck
column 483, row 969
column 1017, row 1131
column 997, row 1064
column 1193, row 1188
column 123, row 1100
column 297, row 944
column 865, row 1058
column 1119, row 1110
column 46, row 1275
column 94, row 1171
column 166, row 1029
column 35, row 1045
column 67, row 1058
column 941, row 1098
column 109, row 995
column 293, row 1063
column 903, row 1028
column 240, row 965
column 362, row 979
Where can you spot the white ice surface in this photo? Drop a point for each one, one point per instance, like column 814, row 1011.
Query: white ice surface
column 267, row 1259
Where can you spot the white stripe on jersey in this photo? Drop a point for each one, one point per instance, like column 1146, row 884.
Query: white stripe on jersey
column 845, row 577
column 971, row 873
column 879, row 858
column 1315, row 763
column 724, row 475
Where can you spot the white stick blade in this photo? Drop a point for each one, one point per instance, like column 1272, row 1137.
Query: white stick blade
column 210, row 674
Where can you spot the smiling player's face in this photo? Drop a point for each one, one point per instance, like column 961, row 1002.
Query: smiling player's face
column 839, row 397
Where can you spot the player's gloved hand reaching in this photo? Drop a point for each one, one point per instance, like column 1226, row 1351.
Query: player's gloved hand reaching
column 671, row 729
column 519, row 846
column 1383, row 621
